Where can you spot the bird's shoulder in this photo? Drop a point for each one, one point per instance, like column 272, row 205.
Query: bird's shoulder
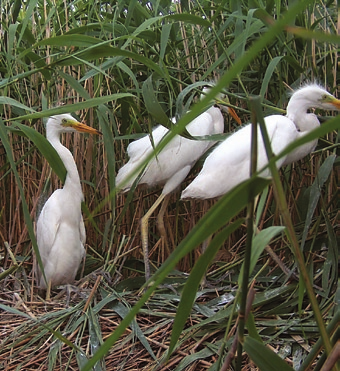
column 204, row 124
column 56, row 213
column 236, row 144
column 61, row 206
column 145, row 145
column 281, row 130
column 53, row 205
column 48, row 222
column 279, row 122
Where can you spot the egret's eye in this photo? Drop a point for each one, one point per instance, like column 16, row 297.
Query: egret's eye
column 323, row 99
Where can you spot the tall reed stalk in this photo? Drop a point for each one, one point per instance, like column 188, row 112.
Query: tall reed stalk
column 123, row 68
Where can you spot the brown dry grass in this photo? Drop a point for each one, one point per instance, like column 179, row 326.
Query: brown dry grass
column 113, row 237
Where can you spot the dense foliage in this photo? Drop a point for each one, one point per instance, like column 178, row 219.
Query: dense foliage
column 123, row 67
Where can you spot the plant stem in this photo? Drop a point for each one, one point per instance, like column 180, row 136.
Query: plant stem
column 283, row 207
column 250, row 232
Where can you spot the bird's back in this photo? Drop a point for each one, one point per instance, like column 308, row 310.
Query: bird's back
column 142, row 147
column 180, row 154
column 229, row 164
column 302, row 151
column 138, row 151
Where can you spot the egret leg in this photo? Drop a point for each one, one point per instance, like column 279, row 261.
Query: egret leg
column 144, row 234
column 48, row 291
column 160, row 222
column 68, row 290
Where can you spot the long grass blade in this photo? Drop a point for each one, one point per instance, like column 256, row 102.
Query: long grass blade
column 263, row 357
column 196, row 275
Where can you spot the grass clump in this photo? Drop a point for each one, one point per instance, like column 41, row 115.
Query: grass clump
column 122, row 68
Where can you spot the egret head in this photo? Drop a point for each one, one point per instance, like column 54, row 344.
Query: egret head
column 219, row 97
column 222, row 101
column 315, row 96
column 66, row 123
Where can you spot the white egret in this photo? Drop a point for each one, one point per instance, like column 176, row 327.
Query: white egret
column 60, row 227
column 229, row 164
column 170, row 167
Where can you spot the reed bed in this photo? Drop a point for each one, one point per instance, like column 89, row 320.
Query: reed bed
column 121, row 68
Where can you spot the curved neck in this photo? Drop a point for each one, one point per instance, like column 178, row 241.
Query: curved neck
column 218, row 120
column 297, row 111
column 72, row 177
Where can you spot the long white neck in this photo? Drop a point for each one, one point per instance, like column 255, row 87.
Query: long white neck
column 297, row 112
column 217, row 119
column 304, row 122
column 72, row 177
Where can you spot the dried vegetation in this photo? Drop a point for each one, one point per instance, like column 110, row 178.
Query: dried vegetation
column 121, row 68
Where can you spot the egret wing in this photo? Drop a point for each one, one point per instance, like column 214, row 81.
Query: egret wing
column 282, row 132
column 49, row 222
column 143, row 146
column 82, row 231
column 229, row 164
column 180, row 153
column 138, row 151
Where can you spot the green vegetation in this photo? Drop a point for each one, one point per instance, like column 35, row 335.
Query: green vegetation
column 123, row 67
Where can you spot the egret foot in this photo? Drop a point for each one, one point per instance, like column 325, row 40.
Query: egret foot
column 68, row 289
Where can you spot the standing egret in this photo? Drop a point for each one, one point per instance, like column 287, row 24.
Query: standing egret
column 60, row 227
column 169, row 167
column 229, row 164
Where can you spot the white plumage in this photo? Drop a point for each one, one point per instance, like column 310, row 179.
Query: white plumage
column 229, row 164
column 60, row 227
column 173, row 163
column 169, row 167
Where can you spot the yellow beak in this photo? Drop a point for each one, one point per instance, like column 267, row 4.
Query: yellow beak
column 233, row 114
column 335, row 102
column 230, row 111
column 83, row 128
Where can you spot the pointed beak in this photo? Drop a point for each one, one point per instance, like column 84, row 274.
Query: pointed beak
column 83, row 128
column 335, row 102
column 233, row 114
